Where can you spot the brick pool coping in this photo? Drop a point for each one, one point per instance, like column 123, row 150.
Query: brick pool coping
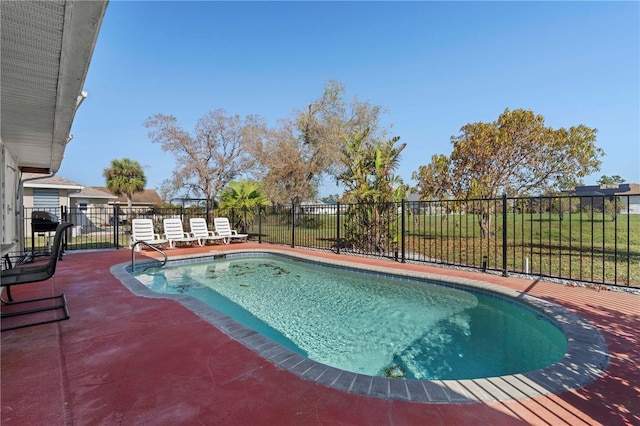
column 585, row 359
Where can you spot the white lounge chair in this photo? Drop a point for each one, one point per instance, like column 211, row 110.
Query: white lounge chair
column 142, row 230
column 174, row 233
column 200, row 230
column 223, row 229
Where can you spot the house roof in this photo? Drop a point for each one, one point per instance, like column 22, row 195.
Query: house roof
column 634, row 189
column 46, row 50
column 35, row 180
column 147, row 197
column 90, row 192
column 609, row 190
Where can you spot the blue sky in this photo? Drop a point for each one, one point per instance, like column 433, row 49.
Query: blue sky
column 433, row 66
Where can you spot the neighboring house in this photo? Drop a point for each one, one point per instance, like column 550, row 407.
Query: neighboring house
column 47, row 193
column 415, row 205
column 145, row 199
column 89, row 207
column 317, row 207
column 92, row 209
column 86, row 206
column 628, row 195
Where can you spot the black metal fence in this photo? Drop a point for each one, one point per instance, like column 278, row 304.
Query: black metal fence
column 588, row 239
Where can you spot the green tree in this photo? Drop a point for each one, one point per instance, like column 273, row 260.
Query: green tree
column 125, row 177
column 562, row 205
column 332, row 198
column 516, row 155
column 369, row 166
column 368, row 175
column 588, row 210
column 243, row 197
column 610, row 180
column 613, row 207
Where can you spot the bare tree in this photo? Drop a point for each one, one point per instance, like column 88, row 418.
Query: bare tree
column 288, row 169
column 210, row 157
column 302, row 149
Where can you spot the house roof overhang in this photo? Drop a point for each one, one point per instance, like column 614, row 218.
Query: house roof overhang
column 41, row 185
column 45, row 55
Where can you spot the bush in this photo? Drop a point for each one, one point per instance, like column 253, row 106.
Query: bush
column 613, row 207
column 310, row 221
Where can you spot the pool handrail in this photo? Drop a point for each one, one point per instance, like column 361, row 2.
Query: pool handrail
column 133, row 253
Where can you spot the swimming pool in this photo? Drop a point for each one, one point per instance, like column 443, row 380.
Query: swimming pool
column 434, row 328
column 368, row 324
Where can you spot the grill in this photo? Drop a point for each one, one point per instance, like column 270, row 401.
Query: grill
column 42, row 222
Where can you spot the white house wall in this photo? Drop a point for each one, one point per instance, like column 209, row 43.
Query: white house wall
column 634, row 204
column 9, row 197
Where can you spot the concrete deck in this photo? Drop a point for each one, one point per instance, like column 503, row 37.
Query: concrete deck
column 130, row 360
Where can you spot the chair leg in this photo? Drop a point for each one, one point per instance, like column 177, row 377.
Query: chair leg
column 9, row 297
column 61, row 305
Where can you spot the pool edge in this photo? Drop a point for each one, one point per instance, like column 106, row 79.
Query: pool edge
column 575, row 369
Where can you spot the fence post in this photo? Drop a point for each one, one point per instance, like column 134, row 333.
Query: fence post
column 293, row 225
column 338, row 228
column 64, row 217
column 504, row 235
column 259, row 224
column 116, row 224
column 402, row 228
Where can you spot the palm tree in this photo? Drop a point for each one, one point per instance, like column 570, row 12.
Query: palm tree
column 243, row 195
column 369, row 166
column 125, row 177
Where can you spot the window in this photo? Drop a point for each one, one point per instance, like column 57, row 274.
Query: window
column 45, row 199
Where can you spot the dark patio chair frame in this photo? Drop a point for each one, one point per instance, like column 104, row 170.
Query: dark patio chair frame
column 32, row 274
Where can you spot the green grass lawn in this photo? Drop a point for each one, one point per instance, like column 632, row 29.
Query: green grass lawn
column 575, row 247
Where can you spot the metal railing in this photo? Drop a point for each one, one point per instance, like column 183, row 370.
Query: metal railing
column 591, row 239
column 144, row 243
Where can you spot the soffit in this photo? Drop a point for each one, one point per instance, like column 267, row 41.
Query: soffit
column 45, row 55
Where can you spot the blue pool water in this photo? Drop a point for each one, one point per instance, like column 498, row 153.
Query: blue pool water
column 370, row 324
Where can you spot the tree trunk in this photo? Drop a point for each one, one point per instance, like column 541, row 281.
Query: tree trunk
column 129, row 214
column 295, row 205
column 484, row 220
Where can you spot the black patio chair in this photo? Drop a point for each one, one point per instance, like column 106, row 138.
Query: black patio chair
column 31, row 274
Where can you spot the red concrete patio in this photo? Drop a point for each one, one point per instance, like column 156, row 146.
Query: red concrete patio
column 128, row 360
